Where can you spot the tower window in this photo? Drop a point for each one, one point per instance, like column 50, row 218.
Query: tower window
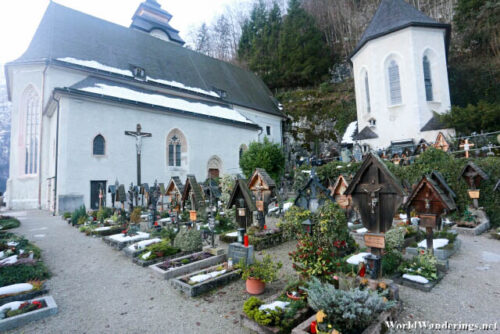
column 367, row 92
column 394, row 83
column 372, row 122
column 268, row 130
column 427, row 79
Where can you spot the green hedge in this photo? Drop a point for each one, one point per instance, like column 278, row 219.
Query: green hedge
column 23, row 273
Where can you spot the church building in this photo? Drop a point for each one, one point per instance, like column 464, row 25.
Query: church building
column 401, row 79
column 84, row 83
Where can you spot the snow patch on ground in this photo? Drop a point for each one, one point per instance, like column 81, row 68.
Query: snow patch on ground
column 204, row 277
column 10, row 260
column 12, row 305
column 416, row 278
column 356, row 259
column 121, row 238
column 436, row 243
column 362, row 230
column 143, row 244
column 232, row 234
column 287, row 206
column 146, row 255
column 15, row 288
column 272, row 306
column 104, row 228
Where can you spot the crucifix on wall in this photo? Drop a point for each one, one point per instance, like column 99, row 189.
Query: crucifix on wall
column 138, row 145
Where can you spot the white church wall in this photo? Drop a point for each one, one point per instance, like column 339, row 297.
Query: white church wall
column 264, row 120
column 22, row 189
column 82, row 120
column 406, row 47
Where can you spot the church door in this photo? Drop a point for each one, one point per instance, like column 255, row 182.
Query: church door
column 213, row 173
column 95, row 186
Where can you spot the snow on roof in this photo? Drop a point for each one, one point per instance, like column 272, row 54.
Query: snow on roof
column 98, row 66
column 349, row 132
column 167, row 101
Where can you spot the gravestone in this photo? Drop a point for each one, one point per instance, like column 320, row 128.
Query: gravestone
column 473, row 175
column 430, row 200
column 377, row 195
column 237, row 251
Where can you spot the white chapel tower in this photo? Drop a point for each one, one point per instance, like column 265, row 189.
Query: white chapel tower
column 400, row 76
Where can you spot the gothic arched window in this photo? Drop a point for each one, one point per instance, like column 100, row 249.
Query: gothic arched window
column 427, row 79
column 394, row 83
column 32, row 130
column 99, row 145
column 367, row 92
column 176, row 149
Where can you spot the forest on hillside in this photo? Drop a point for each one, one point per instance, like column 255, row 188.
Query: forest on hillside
column 301, row 48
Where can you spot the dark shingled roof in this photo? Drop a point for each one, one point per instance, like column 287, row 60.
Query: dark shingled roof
column 241, row 187
column 177, row 183
column 439, row 179
column 64, row 32
column 366, row 133
column 394, row 15
column 199, row 199
column 433, row 124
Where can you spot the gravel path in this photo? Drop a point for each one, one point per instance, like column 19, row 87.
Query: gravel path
column 99, row 290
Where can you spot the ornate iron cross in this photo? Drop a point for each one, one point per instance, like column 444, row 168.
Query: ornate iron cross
column 138, row 145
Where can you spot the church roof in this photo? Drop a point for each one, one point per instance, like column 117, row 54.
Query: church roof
column 128, row 94
column 366, row 133
column 113, row 50
column 394, row 15
column 433, row 124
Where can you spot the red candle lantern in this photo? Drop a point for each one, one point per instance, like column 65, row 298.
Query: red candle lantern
column 245, row 240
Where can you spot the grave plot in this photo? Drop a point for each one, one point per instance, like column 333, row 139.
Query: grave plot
column 119, row 241
column 186, row 264
column 22, row 291
column 157, row 252
column 137, row 248
column 19, row 313
column 265, row 238
column 445, row 244
column 202, row 281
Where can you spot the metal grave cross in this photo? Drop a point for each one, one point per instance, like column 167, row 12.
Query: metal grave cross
column 138, row 145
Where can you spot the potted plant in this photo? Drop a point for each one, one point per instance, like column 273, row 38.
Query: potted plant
column 259, row 273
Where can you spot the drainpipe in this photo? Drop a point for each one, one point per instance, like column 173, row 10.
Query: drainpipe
column 56, row 205
column 41, row 141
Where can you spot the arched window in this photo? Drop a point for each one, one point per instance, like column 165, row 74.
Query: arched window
column 427, row 79
column 31, row 130
column 367, row 92
column 176, row 146
column 99, row 145
column 174, row 152
column 394, row 83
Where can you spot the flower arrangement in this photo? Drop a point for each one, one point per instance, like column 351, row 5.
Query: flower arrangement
column 424, row 264
column 23, row 308
column 265, row 270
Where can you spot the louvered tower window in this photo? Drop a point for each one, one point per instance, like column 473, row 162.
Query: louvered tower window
column 427, row 79
column 394, row 83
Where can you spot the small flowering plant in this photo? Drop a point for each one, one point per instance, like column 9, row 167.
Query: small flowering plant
column 424, row 264
column 23, row 308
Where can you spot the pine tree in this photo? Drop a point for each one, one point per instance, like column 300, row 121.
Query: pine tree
column 304, row 55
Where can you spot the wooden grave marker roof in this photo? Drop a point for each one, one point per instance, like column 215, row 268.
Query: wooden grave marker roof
column 192, row 185
column 174, row 186
column 441, row 143
column 376, row 193
column 429, row 197
column 262, row 179
column 241, row 190
column 339, row 187
column 473, row 175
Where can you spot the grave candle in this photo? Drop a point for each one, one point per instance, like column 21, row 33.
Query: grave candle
column 245, row 240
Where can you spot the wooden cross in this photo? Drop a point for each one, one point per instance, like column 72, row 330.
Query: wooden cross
column 466, row 146
column 138, row 145
column 372, row 189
